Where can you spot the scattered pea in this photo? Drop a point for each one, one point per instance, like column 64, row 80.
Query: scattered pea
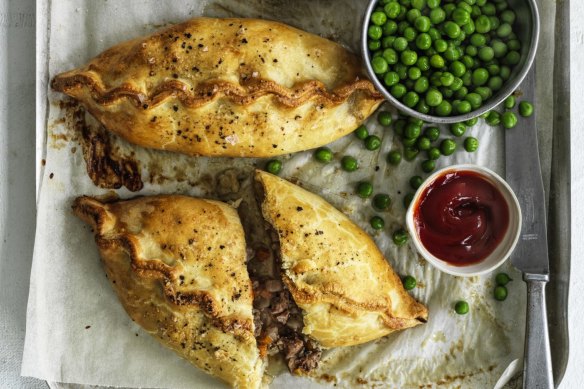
column 364, row 189
column 384, row 118
column 377, row 223
column 447, row 147
column 409, row 282
column 471, row 144
column 502, row 279
column 416, row 182
column 400, row 237
column 381, row 201
column 323, row 154
column 349, row 163
column 525, row 109
column 394, row 157
column 500, row 293
column 461, row 307
column 509, row 119
column 372, row 142
column 274, row 166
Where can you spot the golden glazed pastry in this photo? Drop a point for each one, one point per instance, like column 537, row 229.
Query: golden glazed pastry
column 178, row 266
column 225, row 87
column 333, row 269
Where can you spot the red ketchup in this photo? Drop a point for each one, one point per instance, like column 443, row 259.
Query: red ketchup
column 461, row 217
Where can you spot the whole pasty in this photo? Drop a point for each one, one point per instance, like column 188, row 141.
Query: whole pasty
column 178, row 267
column 333, row 269
column 225, row 87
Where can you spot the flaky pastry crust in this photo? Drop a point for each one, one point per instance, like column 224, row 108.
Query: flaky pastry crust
column 225, row 87
column 178, row 267
column 334, row 270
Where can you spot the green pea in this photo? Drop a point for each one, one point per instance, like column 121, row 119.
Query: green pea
column 384, row 118
column 461, row 93
column 400, row 44
column 457, row 129
column 433, row 98
column 398, row 90
column 478, row 40
column 463, row 107
column 372, row 142
column 394, row 157
column 525, row 109
column 446, row 78
column 390, row 79
column 412, row 15
column 423, row 63
column 349, row 164
column 505, row 72
column 452, row 29
column 469, row 28
column 433, row 3
column 390, row 56
column 508, row 16
column 374, row 32
column 460, row 16
column 411, row 99
column 433, row 153
column 440, row 45
column 323, row 154
column 378, row 18
column 513, row 58
column 484, row 92
column 471, row 51
column 486, row 53
column 381, row 201
column 467, row 61
column 387, row 41
column 379, row 65
column 495, row 83
column 428, row 165
column 392, row 10
column 500, row 293
column 412, row 130
column 416, row 182
column 436, row 61
column 437, row 16
column 457, row 68
column 421, row 85
column 449, row 8
column 444, row 108
column 361, row 132
column 422, row 23
column 488, row 9
column 408, row 199
column 447, row 147
column 401, row 70
column 373, row 45
column 409, row 282
column 504, row 30
column 400, row 237
column 432, row 133
column 509, row 119
column 377, row 223
column 410, row 153
column 514, row 44
column 499, row 48
column 389, row 28
column 466, row 5
column 364, row 189
column 461, row 307
column 483, row 24
column 493, row 118
column 423, row 107
column 423, row 143
column 502, row 279
column 480, row 76
column 410, row 34
column 423, row 41
column 495, row 23
column 471, row 144
column 474, row 99
column 471, row 122
column 274, row 166
column 493, row 69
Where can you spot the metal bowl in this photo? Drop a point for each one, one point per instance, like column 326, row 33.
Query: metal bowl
column 526, row 27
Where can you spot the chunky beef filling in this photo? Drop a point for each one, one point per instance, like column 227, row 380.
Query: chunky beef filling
column 277, row 318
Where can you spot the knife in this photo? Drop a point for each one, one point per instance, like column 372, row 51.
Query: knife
column 523, row 173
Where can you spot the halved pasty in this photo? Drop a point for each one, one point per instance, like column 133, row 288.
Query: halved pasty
column 225, row 87
column 178, row 266
column 333, row 269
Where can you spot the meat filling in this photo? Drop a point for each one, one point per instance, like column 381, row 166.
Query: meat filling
column 278, row 320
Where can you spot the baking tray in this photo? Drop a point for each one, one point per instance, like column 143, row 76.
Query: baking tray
column 555, row 157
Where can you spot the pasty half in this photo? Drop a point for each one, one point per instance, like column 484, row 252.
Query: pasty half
column 225, row 87
column 178, row 267
column 333, row 269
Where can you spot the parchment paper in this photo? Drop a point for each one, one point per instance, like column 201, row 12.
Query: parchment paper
column 77, row 332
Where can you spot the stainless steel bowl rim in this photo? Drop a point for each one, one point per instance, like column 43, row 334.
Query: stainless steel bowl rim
column 507, row 89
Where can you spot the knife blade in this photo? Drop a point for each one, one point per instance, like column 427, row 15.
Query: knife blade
column 523, row 173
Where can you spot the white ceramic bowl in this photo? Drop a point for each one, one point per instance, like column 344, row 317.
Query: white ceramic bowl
column 501, row 252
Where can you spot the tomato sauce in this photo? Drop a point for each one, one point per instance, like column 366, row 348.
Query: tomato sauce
column 461, row 217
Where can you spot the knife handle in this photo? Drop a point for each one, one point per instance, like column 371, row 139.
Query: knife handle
column 538, row 362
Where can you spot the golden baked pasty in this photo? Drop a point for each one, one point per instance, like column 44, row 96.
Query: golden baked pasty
column 178, row 267
column 225, row 87
column 333, row 269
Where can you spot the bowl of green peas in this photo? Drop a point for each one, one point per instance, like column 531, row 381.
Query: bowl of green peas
column 447, row 61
